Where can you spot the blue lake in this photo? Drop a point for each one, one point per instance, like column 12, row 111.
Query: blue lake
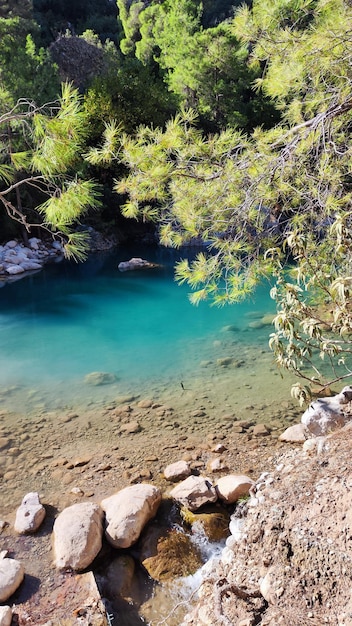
column 60, row 324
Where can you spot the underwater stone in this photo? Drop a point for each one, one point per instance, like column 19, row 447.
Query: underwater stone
column 100, row 378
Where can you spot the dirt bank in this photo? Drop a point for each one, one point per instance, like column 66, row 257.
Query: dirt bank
column 292, row 561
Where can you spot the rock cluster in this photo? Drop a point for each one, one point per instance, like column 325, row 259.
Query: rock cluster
column 165, row 551
column 16, row 259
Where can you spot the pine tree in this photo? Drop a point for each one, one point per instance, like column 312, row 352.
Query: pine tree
column 40, row 148
column 275, row 203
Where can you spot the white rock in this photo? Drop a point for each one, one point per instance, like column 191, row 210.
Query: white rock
column 194, row 492
column 5, row 616
column 217, row 465
column 177, row 471
column 297, row 433
column 128, row 511
column 11, row 244
column 56, row 245
column 14, row 269
column 31, row 265
column 30, row 514
column 232, row 487
column 325, row 415
column 311, row 445
column 33, row 243
column 11, row 576
column 77, row 534
column 269, row 584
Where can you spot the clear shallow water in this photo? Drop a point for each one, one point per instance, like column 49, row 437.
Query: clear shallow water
column 68, row 320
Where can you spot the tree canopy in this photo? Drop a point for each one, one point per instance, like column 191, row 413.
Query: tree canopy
column 275, row 203
column 39, row 149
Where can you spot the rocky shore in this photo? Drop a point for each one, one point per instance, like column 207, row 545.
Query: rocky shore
column 286, row 560
column 127, row 442
column 18, row 259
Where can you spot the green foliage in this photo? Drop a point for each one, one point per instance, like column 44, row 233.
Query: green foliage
column 23, row 68
column 277, row 198
column 53, row 137
column 129, row 92
column 205, row 68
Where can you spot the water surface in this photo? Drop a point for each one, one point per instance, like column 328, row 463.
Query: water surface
column 62, row 323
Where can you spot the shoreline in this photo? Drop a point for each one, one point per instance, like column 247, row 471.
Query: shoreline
column 113, row 453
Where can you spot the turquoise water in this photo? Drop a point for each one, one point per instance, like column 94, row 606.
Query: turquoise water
column 62, row 323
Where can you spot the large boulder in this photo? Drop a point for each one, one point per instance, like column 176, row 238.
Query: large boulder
column 193, row 492
column 325, row 415
column 30, row 514
column 128, row 511
column 77, row 535
column 11, row 576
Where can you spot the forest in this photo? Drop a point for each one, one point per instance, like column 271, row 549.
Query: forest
column 221, row 122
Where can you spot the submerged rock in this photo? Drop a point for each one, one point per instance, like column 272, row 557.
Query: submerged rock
column 213, row 522
column 119, row 576
column 168, row 554
column 100, row 378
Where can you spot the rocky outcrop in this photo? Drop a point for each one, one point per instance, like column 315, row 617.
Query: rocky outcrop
column 30, row 514
column 135, row 263
column 288, row 558
column 11, row 576
column 128, row 511
column 77, row 536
